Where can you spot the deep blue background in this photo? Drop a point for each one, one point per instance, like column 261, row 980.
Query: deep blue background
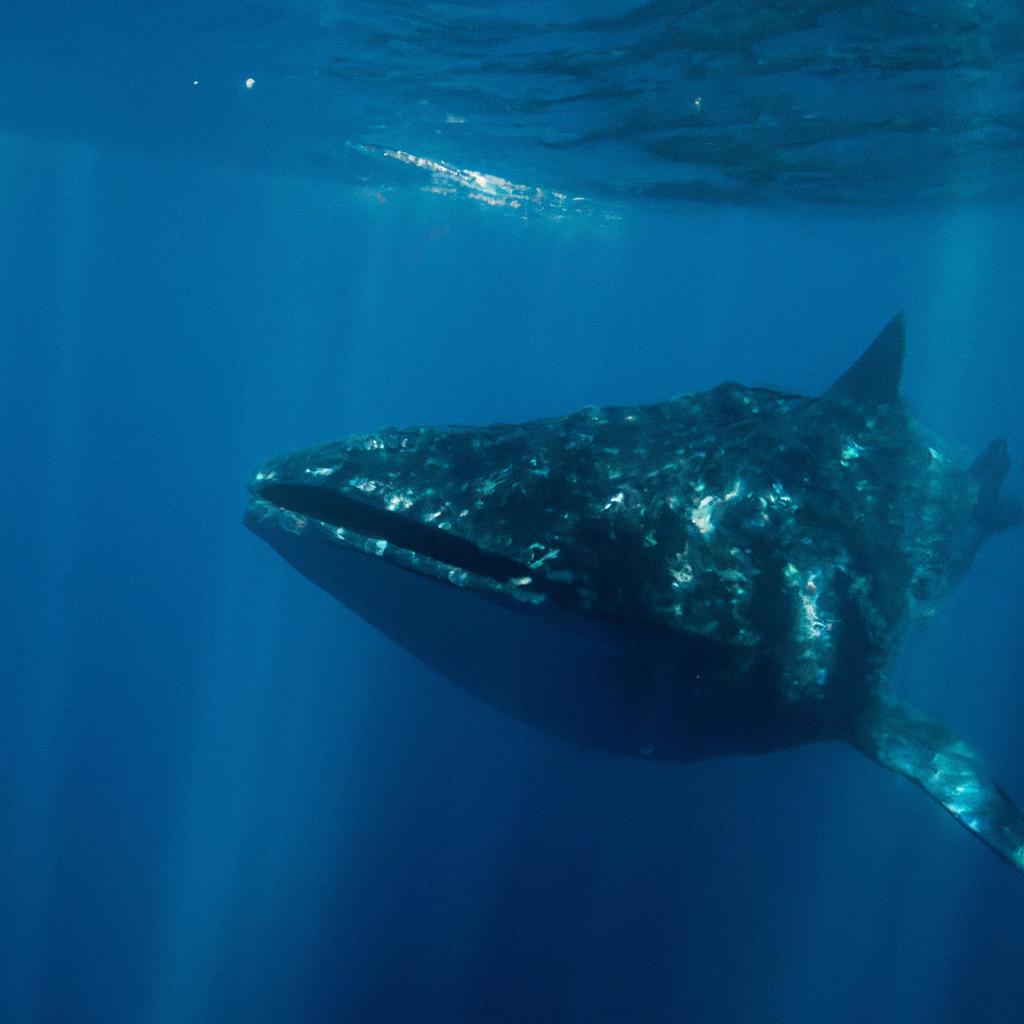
column 222, row 797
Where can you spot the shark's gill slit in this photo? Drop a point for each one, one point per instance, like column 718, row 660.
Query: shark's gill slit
column 431, row 542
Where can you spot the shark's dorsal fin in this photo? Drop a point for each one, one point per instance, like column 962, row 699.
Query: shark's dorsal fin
column 901, row 738
column 874, row 379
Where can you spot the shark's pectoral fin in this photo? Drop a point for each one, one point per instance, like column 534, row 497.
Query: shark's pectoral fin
column 900, row 737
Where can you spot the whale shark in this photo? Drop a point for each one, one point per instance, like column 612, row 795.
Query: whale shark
column 722, row 573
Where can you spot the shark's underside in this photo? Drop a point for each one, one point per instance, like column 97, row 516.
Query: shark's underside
column 727, row 572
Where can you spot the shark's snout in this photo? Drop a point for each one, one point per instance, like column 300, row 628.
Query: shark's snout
column 349, row 515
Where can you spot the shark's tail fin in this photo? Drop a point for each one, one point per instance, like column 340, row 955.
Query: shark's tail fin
column 905, row 740
column 994, row 510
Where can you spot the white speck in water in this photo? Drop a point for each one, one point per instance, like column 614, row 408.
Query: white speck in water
column 250, row 82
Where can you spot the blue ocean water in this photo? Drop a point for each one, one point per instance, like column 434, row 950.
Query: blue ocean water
column 225, row 798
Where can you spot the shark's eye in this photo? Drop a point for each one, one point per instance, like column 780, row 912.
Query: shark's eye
column 350, row 514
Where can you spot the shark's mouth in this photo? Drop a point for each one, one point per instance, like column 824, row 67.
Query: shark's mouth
column 344, row 514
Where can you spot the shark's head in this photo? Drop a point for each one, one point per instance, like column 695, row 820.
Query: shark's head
column 497, row 555
column 406, row 498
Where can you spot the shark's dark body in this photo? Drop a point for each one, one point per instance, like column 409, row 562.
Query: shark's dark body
column 726, row 572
